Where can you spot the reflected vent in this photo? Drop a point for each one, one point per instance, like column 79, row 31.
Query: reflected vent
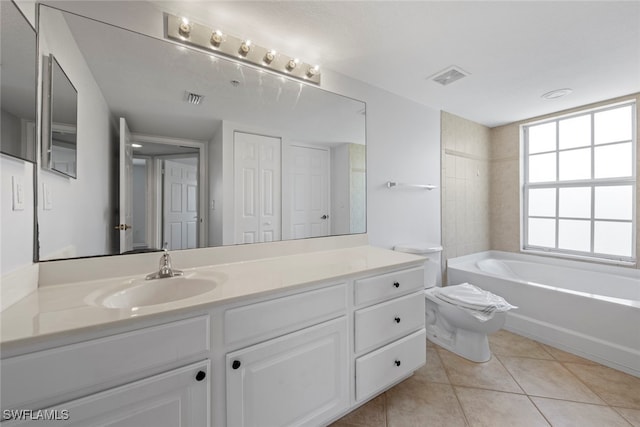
column 193, row 98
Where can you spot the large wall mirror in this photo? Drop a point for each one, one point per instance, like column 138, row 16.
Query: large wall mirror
column 17, row 84
column 181, row 149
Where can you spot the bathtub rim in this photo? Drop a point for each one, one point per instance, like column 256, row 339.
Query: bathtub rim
column 469, row 263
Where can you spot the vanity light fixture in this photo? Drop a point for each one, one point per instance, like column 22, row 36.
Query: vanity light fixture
column 213, row 40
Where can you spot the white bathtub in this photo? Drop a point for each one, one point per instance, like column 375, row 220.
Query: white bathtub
column 589, row 309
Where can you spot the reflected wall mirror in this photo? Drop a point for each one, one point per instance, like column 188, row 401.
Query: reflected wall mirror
column 17, row 84
column 59, row 120
column 183, row 149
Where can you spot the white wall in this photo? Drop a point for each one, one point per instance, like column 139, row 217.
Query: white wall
column 403, row 144
column 62, row 230
column 17, row 226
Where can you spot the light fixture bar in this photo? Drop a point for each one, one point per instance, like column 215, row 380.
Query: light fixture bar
column 213, row 40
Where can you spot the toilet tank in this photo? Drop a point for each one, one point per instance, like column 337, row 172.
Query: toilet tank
column 432, row 267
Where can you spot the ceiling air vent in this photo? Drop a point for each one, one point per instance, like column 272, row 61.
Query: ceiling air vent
column 449, row 75
column 193, row 98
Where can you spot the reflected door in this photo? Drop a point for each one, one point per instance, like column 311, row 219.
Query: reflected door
column 309, row 192
column 257, row 193
column 180, row 204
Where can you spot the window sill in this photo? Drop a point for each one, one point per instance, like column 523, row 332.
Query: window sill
column 584, row 258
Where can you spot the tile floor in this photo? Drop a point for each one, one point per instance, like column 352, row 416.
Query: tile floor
column 525, row 383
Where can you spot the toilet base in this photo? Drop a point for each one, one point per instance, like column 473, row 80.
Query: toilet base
column 472, row 346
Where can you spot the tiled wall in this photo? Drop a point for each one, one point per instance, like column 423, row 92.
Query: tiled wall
column 505, row 188
column 465, row 147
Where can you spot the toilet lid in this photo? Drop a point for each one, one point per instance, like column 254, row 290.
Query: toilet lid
column 472, row 297
column 418, row 248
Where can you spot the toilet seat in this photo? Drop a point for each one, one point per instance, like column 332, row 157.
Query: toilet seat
column 476, row 301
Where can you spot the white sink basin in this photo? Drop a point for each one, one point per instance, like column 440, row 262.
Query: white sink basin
column 140, row 292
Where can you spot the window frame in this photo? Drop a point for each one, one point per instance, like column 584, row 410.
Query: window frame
column 592, row 183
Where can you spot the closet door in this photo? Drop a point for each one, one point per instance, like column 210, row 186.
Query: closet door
column 257, row 192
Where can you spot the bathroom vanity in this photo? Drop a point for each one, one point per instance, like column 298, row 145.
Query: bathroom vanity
column 291, row 340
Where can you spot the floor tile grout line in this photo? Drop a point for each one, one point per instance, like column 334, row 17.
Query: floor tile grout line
column 464, row 413
column 510, row 374
column 453, row 388
column 615, row 409
column 539, row 410
column 585, row 384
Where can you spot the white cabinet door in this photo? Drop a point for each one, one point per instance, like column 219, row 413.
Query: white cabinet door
column 178, row 398
column 298, row 379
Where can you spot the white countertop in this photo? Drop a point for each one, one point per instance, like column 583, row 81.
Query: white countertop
column 59, row 309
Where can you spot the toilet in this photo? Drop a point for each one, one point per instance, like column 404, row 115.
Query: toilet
column 448, row 325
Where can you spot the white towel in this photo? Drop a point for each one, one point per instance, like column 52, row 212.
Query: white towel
column 479, row 303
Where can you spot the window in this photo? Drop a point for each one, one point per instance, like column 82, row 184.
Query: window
column 580, row 184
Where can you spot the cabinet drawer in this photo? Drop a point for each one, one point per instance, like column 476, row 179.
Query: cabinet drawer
column 50, row 376
column 382, row 323
column 257, row 322
column 381, row 368
column 390, row 285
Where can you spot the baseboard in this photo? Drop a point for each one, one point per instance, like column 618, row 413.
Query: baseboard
column 604, row 352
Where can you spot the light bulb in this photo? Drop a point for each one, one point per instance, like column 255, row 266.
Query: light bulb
column 292, row 64
column 245, row 47
column 216, row 38
column 184, row 29
column 312, row 71
column 269, row 56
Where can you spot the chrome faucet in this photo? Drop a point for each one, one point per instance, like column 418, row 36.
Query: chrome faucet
column 165, row 268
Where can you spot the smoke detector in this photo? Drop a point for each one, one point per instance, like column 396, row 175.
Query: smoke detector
column 449, row 75
column 193, row 98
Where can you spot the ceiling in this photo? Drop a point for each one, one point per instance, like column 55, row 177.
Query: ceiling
column 514, row 51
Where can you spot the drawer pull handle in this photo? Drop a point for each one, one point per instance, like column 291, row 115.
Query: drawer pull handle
column 397, row 319
column 201, row 375
column 397, row 362
column 236, row 364
column 396, row 284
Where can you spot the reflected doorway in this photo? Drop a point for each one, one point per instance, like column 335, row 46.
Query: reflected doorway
column 165, row 196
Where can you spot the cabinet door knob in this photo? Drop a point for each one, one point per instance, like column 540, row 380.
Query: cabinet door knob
column 397, row 362
column 396, row 284
column 236, row 364
column 201, row 375
column 397, row 319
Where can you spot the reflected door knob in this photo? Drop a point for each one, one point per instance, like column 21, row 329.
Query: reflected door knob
column 324, row 217
column 122, row 227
